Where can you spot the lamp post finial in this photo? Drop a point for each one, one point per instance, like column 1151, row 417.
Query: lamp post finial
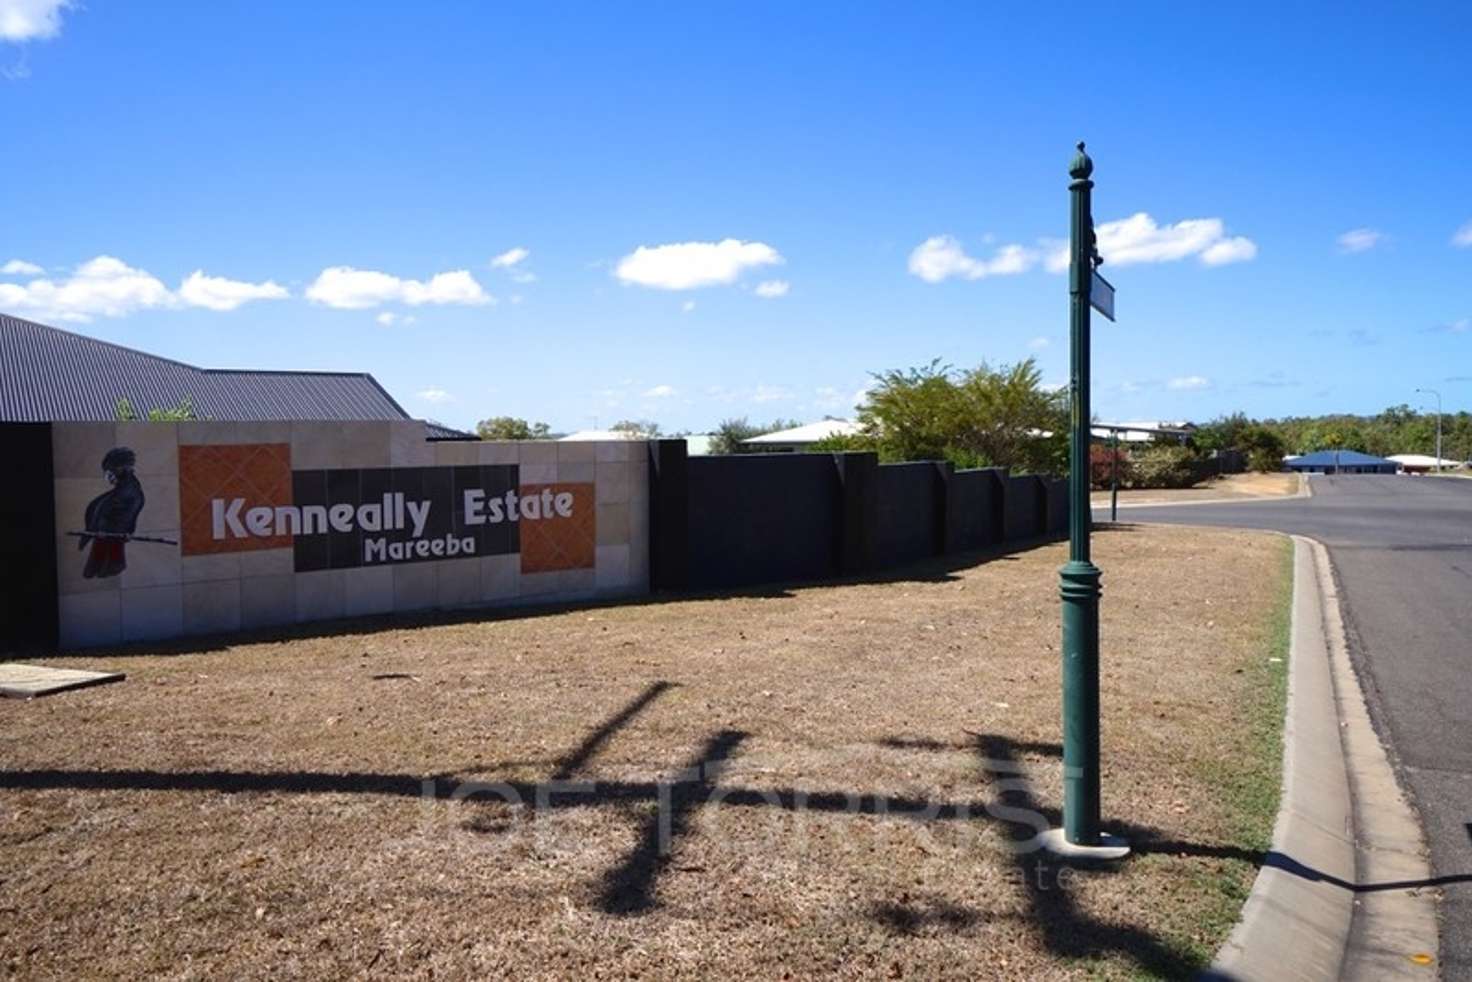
column 1081, row 166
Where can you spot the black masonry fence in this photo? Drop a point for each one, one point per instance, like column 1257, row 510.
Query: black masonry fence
column 733, row 521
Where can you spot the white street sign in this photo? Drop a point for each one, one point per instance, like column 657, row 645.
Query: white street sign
column 1101, row 295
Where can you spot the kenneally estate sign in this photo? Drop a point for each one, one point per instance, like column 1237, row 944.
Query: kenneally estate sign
column 237, row 498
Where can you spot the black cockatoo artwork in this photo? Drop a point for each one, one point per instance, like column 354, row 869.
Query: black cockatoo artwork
column 112, row 516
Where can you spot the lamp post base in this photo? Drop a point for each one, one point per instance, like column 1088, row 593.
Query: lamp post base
column 1109, row 849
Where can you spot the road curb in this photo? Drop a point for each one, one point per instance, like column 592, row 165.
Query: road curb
column 1342, row 825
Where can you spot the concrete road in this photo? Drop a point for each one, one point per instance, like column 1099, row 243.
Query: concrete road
column 1402, row 550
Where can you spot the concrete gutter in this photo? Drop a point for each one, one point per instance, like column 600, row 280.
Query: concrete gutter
column 1343, row 893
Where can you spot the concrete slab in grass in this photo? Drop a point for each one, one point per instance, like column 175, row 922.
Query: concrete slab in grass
column 19, row 681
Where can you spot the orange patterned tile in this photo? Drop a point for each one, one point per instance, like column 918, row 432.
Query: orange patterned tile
column 555, row 543
column 258, row 472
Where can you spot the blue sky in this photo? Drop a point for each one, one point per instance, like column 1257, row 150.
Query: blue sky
column 707, row 211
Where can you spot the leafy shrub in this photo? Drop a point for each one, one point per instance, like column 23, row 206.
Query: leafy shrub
column 1163, row 467
column 1102, row 464
column 1265, row 461
column 846, row 443
column 125, row 412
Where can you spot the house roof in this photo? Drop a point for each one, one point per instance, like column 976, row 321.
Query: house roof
column 1351, row 458
column 585, row 436
column 809, row 433
column 1141, row 431
column 434, row 430
column 50, row 374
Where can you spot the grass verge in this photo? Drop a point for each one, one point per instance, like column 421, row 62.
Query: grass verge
column 817, row 781
column 1248, row 775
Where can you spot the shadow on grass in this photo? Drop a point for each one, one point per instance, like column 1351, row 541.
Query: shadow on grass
column 1067, row 931
column 911, row 917
column 630, row 887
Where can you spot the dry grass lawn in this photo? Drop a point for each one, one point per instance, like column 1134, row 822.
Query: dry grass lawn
column 1238, row 486
column 864, row 758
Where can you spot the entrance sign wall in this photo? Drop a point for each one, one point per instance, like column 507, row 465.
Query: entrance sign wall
column 168, row 529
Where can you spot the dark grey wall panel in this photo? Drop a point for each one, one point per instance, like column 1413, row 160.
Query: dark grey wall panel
column 976, row 512
column 910, row 512
column 669, row 515
column 858, row 477
column 1024, row 513
column 1057, row 504
column 763, row 518
column 28, row 614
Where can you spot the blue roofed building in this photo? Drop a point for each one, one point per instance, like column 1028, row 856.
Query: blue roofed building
column 1341, row 462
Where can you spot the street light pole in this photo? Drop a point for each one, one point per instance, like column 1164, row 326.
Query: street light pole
column 1438, row 426
column 1114, row 476
column 1079, row 577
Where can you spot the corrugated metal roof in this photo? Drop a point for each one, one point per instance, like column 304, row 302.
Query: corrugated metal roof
column 585, row 436
column 808, row 433
column 50, row 374
column 434, row 430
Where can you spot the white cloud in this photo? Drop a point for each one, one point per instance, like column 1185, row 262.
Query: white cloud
column 771, row 289
column 1234, row 250
column 31, row 20
column 1138, row 239
column 436, row 395
column 687, row 306
column 511, row 260
column 1189, row 382
column 941, row 257
column 1463, row 237
column 105, row 286
column 219, row 293
column 691, row 265
column 1359, row 240
column 347, row 288
column 770, row 393
column 1039, row 343
column 19, row 267
column 510, row 257
column 659, row 392
column 388, row 319
column 100, row 287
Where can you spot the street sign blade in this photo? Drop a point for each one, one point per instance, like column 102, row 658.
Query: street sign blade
column 1101, row 295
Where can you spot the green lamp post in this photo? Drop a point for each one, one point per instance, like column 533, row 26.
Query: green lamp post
column 1081, row 835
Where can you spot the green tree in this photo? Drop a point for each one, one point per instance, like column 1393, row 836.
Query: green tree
column 1335, row 433
column 728, row 437
column 642, row 429
column 1011, row 420
column 183, row 411
column 1222, row 433
column 981, row 416
column 1263, row 447
column 511, row 428
column 912, row 414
